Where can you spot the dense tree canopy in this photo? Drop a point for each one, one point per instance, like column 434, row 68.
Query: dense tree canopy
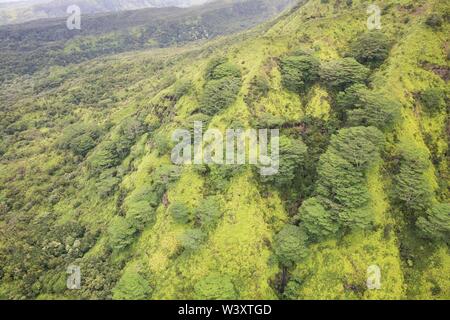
column 290, row 245
column 371, row 48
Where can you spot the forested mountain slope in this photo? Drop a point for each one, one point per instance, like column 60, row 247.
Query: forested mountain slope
column 86, row 177
column 32, row 10
column 34, row 45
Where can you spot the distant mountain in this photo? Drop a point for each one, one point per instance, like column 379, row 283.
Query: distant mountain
column 32, row 46
column 22, row 11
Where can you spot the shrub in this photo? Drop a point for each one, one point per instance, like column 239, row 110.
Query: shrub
column 215, row 287
column 434, row 21
column 180, row 212
column 290, row 245
column 342, row 73
column 299, row 71
column 371, row 48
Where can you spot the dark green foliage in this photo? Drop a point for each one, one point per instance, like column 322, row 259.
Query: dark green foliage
column 436, row 224
column 433, row 100
column 191, row 239
column 111, row 152
column 208, row 212
column 219, row 94
column 79, row 138
column 259, row 87
column 120, row 233
column 291, row 156
column 139, row 214
column 342, row 169
column 364, row 107
column 412, row 190
column 224, row 70
column 290, row 245
column 318, row 222
column 358, row 145
column 340, row 74
column 222, row 88
column 215, row 287
column 371, row 48
column 180, row 212
column 212, row 65
column 268, row 121
column 434, row 21
column 298, row 71
column 98, row 276
column 132, row 286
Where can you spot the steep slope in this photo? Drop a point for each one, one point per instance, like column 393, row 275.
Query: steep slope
column 86, row 176
column 33, row 10
column 33, row 46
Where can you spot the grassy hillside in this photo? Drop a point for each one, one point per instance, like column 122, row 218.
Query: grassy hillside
column 86, row 176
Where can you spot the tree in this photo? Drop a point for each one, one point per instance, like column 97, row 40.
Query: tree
column 433, row 99
column 131, row 286
column 298, row 71
column 219, row 94
column 317, row 221
column 191, row 239
column 364, row 107
column 139, row 214
column 291, row 156
column 290, row 245
column 208, row 212
column 358, row 145
column 434, row 21
column 180, row 212
column 436, row 223
column 342, row 185
column 371, row 48
column 412, row 189
column 341, row 74
column 120, row 233
column 215, row 287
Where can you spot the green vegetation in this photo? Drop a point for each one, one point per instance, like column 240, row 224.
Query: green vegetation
column 131, row 286
column 298, row 71
column 86, row 177
column 290, row 245
column 436, row 223
column 371, row 48
column 215, row 287
column 341, row 74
